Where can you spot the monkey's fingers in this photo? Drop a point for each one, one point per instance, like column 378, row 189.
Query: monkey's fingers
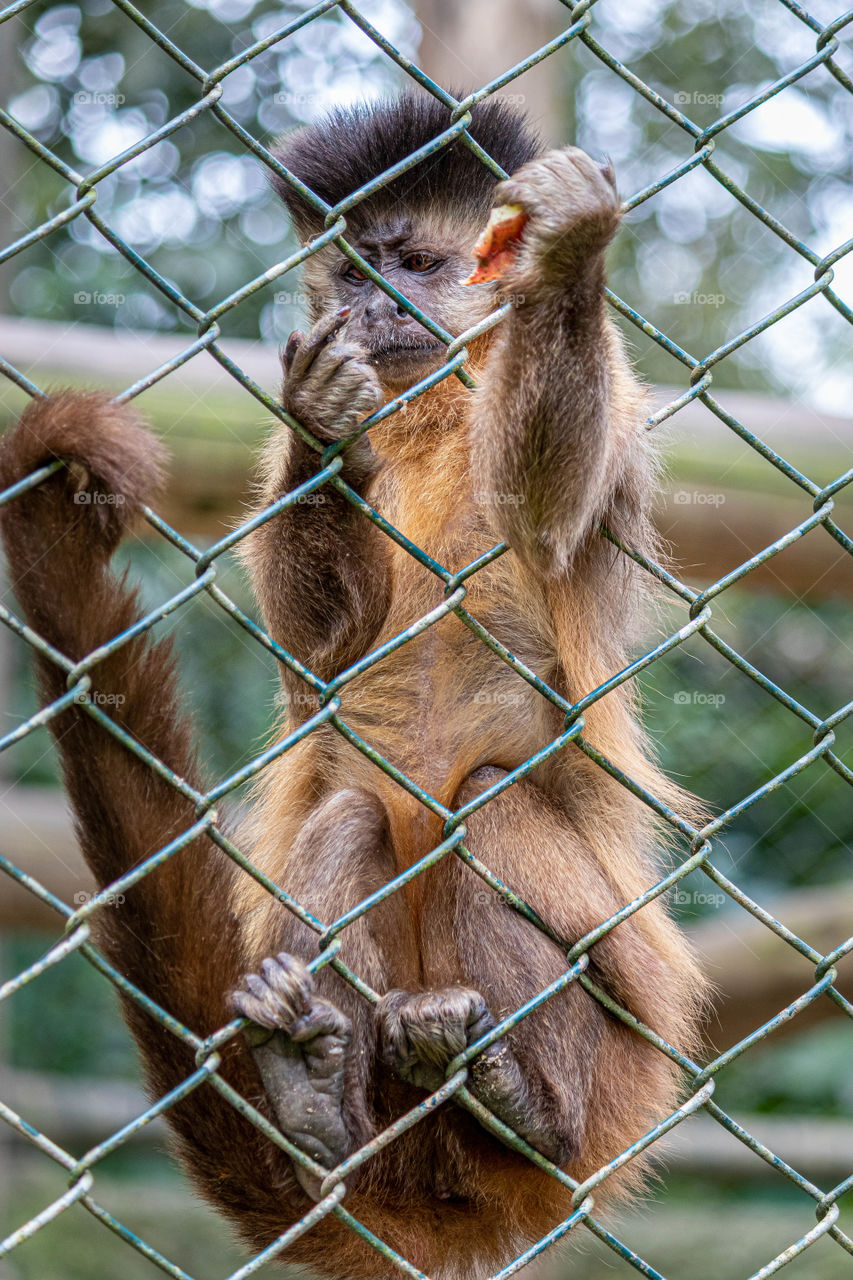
column 329, row 361
column 306, row 349
column 293, row 344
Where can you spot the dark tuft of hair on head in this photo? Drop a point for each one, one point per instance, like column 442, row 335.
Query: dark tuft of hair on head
column 353, row 145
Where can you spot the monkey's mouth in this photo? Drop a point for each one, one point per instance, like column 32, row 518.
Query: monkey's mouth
column 392, row 352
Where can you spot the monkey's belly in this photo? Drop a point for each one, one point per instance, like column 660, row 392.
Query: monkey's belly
column 439, row 710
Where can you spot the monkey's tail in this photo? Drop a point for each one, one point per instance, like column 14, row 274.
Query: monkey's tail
column 58, row 539
column 173, row 933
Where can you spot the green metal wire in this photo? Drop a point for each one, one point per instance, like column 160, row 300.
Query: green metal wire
column 82, row 202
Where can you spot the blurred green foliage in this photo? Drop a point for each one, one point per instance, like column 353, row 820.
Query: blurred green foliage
column 806, row 1074
column 722, row 736
column 692, row 259
column 66, row 1020
column 197, row 206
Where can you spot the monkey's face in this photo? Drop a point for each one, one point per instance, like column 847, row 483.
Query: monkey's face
column 426, row 260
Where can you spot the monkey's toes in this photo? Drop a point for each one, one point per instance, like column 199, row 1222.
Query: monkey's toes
column 431, row 1027
column 279, row 996
column 282, row 998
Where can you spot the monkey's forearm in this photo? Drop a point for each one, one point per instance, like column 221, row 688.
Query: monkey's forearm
column 319, row 566
column 543, row 429
column 552, row 425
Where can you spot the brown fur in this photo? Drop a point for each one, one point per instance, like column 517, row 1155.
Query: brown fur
column 556, row 421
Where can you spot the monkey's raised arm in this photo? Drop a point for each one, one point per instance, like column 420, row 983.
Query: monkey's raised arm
column 554, row 436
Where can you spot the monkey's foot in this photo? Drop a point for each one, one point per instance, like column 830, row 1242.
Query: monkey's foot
column 299, row 1043
column 420, row 1034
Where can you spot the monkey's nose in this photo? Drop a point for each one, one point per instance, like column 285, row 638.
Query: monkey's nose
column 384, row 310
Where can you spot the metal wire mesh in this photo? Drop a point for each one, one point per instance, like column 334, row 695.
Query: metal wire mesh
column 699, row 147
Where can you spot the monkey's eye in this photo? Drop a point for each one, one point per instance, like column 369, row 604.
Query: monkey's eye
column 352, row 273
column 420, row 261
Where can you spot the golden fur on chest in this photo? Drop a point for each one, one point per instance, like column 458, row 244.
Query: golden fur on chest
column 443, row 704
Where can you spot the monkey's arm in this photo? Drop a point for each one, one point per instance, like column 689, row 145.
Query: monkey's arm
column 554, row 440
column 318, row 567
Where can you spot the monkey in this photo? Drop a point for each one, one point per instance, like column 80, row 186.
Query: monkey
column 545, row 450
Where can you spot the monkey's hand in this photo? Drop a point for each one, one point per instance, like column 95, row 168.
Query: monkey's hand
column 300, row 1045
column 329, row 385
column 113, row 467
column 572, row 210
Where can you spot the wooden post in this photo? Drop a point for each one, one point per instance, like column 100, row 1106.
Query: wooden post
column 464, row 46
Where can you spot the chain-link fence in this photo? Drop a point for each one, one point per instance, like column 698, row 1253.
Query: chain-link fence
column 697, row 844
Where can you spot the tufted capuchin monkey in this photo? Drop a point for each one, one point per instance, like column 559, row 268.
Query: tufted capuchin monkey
column 546, row 449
